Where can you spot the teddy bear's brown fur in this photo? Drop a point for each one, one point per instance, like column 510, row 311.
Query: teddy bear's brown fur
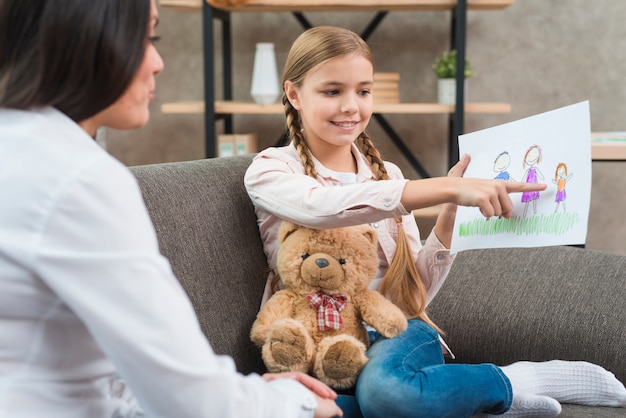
column 292, row 331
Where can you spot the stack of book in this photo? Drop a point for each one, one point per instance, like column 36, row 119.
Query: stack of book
column 386, row 88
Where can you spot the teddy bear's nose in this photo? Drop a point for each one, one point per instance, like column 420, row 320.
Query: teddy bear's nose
column 321, row 262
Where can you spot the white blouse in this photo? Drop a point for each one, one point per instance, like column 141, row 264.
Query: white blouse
column 280, row 189
column 86, row 297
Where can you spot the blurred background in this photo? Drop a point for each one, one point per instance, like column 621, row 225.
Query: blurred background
column 536, row 55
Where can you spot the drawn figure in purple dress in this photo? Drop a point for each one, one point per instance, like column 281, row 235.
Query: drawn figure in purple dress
column 532, row 175
column 561, row 177
column 500, row 165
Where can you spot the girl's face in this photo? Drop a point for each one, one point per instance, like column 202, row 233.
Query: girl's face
column 131, row 109
column 334, row 101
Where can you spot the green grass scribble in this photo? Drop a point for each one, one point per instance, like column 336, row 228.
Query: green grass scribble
column 554, row 224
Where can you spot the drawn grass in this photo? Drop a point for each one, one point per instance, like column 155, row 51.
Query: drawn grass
column 554, row 224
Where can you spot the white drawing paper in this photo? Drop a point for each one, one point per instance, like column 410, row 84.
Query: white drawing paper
column 551, row 148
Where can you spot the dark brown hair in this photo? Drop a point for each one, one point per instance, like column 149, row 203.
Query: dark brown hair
column 402, row 283
column 75, row 55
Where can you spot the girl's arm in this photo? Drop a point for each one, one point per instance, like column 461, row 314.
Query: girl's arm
column 490, row 196
column 278, row 185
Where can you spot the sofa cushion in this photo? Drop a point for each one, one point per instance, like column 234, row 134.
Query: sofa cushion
column 207, row 228
column 535, row 304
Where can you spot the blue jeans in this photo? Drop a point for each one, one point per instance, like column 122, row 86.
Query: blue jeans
column 406, row 377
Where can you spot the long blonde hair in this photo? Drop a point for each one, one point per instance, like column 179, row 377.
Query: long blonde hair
column 402, row 283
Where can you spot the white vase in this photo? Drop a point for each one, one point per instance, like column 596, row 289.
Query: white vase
column 446, row 90
column 265, row 89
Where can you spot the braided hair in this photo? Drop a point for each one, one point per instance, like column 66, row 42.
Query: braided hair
column 402, row 283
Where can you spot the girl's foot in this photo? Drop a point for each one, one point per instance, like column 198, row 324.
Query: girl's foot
column 527, row 405
column 575, row 382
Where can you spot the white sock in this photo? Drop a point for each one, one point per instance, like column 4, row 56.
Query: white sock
column 527, row 405
column 576, row 382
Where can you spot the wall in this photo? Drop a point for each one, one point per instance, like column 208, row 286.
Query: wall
column 536, row 55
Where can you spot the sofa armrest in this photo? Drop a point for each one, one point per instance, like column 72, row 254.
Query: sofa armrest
column 504, row 305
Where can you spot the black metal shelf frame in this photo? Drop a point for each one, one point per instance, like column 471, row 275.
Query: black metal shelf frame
column 209, row 14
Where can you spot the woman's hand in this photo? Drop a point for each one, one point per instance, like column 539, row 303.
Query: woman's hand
column 326, row 406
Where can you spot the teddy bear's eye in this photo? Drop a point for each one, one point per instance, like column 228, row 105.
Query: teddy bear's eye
column 342, row 261
column 305, row 256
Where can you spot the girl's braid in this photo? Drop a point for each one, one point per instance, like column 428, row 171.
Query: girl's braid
column 402, row 283
column 373, row 156
column 295, row 134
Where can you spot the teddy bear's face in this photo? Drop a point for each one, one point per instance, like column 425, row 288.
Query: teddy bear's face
column 335, row 261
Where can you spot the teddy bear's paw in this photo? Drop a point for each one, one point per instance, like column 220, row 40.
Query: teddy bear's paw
column 288, row 348
column 393, row 327
column 339, row 361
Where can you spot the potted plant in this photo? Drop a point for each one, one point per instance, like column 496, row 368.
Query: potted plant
column 445, row 70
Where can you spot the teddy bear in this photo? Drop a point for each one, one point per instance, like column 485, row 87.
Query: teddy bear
column 315, row 324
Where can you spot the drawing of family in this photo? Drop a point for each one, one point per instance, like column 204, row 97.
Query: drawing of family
column 532, row 158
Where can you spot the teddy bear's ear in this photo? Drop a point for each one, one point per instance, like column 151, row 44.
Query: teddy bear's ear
column 286, row 229
column 370, row 234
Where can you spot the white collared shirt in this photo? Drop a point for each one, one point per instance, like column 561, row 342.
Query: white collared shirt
column 85, row 295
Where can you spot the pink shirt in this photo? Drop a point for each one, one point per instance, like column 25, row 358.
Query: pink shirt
column 280, row 189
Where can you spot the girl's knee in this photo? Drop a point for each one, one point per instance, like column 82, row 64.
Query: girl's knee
column 389, row 396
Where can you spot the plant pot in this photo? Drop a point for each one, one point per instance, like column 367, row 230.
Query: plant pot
column 446, row 90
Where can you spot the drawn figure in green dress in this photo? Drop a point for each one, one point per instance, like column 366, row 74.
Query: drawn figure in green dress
column 500, row 165
column 532, row 175
column 561, row 177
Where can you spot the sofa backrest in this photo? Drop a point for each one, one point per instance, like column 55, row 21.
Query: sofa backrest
column 509, row 304
column 207, row 228
column 496, row 306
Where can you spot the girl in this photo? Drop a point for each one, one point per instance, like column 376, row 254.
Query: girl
column 331, row 175
column 78, row 253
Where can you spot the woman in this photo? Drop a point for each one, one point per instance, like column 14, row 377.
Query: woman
column 86, row 300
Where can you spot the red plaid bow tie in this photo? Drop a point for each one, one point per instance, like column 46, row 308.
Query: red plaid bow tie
column 328, row 309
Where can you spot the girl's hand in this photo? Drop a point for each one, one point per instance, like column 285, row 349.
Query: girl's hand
column 459, row 168
column 456, row 171
column 326, row 406
column 490, row 196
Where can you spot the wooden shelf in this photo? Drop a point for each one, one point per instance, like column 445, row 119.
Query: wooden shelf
column 340, row 5
column 251, row 108
column 221, row 10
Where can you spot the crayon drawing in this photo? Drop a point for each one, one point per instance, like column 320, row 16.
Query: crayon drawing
column 532, row 158
column 546, row 148
column 561, row 177
column 500, row 165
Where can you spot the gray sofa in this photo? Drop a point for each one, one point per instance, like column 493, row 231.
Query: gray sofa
column 497, row 306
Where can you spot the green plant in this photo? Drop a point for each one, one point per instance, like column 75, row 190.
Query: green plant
column 445, row 66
